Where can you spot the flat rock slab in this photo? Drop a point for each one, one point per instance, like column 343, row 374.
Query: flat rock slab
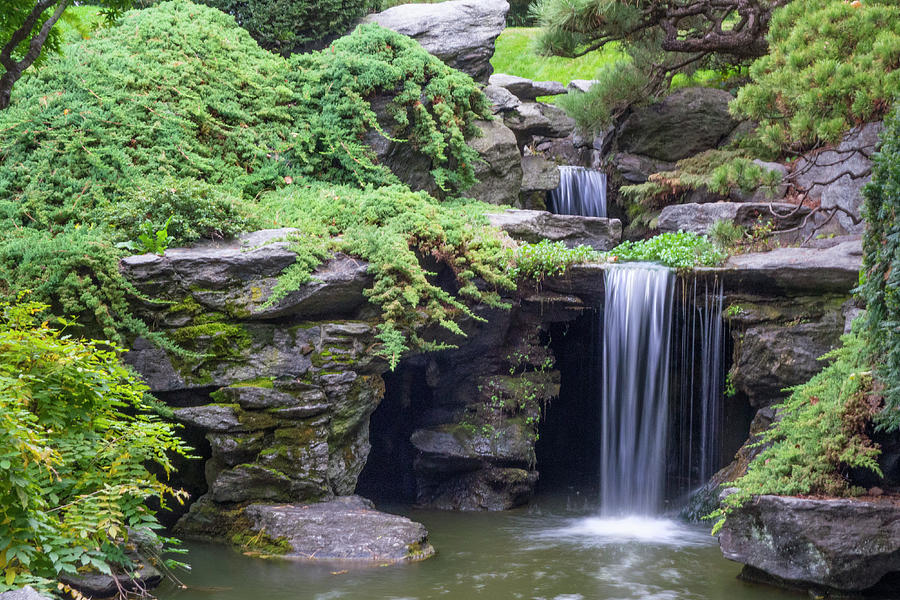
column 843, row 544
column 699, row 218
column 347, row 528
column 536, row 225
column 834, row 269
column 526, row 89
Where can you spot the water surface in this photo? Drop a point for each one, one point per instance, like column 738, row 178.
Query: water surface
column 543, row 552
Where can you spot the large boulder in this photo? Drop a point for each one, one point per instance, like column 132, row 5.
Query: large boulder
column 846, row 545
column 699, row 218
column 684, row 123
column 836, row 176
column 539, row 176
column 531, row 119
column 460, row 32
column 500, row 174
column 535, row 225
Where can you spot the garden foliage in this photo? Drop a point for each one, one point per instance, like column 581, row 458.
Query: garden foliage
column 881, row 267
column 74, row 467
column 175, row 119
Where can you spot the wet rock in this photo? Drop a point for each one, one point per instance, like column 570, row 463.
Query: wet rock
column 98, row 585
column 211, row 417
column 346, row 528
column 486, row 489
column 526, row 89
column 500, row 175
column 539, row 176
column 460, row 32
column 534, row 225
column 847, row 545
column 836, row 176
column 684, row 123
column 699, row 218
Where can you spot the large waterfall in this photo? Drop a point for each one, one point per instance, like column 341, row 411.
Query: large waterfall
column 581, row 192
column 637, row 327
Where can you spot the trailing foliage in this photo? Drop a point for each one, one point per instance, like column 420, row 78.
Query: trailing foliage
column 881, row 267
column 546, row 259
column 831, row 65
column 396, row 231
column 73, row 466
column 176, row 121
column 820, row 434
column 681, row 250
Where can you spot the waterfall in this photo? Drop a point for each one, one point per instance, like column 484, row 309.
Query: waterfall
column 637, row 326
column 698, row 397
column 581, row 192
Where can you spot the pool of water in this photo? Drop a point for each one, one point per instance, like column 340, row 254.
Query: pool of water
column 543, row 552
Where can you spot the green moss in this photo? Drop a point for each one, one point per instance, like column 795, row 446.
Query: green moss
column 259, row 382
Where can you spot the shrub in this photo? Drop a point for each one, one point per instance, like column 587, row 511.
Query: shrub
column 820, row 434
column 285, row 26
column 546, row 259
column 73, row 466
column 681, row 250
column 831, row 65
column 881, row 267
column 726, row 234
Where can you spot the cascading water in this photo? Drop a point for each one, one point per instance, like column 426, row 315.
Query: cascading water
column 636, row 347
column 581, row 192
column 698, row 397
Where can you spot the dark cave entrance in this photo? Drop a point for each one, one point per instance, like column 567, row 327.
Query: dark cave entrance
column 388, row 476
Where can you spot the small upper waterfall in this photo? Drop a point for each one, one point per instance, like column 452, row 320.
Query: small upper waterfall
column 581, row 192
column 637, row 327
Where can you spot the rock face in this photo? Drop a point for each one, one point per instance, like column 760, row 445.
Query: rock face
column 531, row 119
column 500, row 175
column 539, row 176
column 25, row 593
column 847, row 545
column 684, row 123
column 836, row 176
column 461, row 32
column 698, row 218
column 535, row 225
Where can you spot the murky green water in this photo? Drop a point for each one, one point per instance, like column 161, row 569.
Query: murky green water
column 539, row 553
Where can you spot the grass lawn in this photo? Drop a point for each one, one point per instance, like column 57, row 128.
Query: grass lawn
column 514, row 55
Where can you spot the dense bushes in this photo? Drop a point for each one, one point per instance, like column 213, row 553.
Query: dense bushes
column 286, row 25
column 881, row 266
column 176, row 116
column 73, row 467
column 831, row 65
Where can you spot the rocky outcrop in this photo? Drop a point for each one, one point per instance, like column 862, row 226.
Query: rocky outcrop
column 835, row 176
column 460, row 32
column 25, row 593
column 500, row 175
column 539, row 176
column 684, row 123
column 845, row 545
column 531, row 119
column 699, row 218
column 526, row 89
column 535, row 225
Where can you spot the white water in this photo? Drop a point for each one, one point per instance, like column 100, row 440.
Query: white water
column 581, row 192
column 637, row 328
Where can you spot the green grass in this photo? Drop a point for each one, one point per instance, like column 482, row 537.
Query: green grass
column 514, row 55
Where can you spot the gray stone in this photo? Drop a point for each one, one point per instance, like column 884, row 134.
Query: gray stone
column 795, row 270
column 449, row 449
column 502, row 100
column 526, row 89
column 492, row 488
column 253, row 397
column 531, row 119
column 211, row 417
column 98, row 585
column 539, row 174
column 580, row 85
column 847, row 545
column 684, row 123
column 699, row 218
column 535, row 225
column 500, row 175
column 25, row 593
column 461, row 32
column 637, row 169
column 836, row 176
column 344, row 529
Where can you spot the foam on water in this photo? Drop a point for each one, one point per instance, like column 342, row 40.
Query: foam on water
column 601, row 531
